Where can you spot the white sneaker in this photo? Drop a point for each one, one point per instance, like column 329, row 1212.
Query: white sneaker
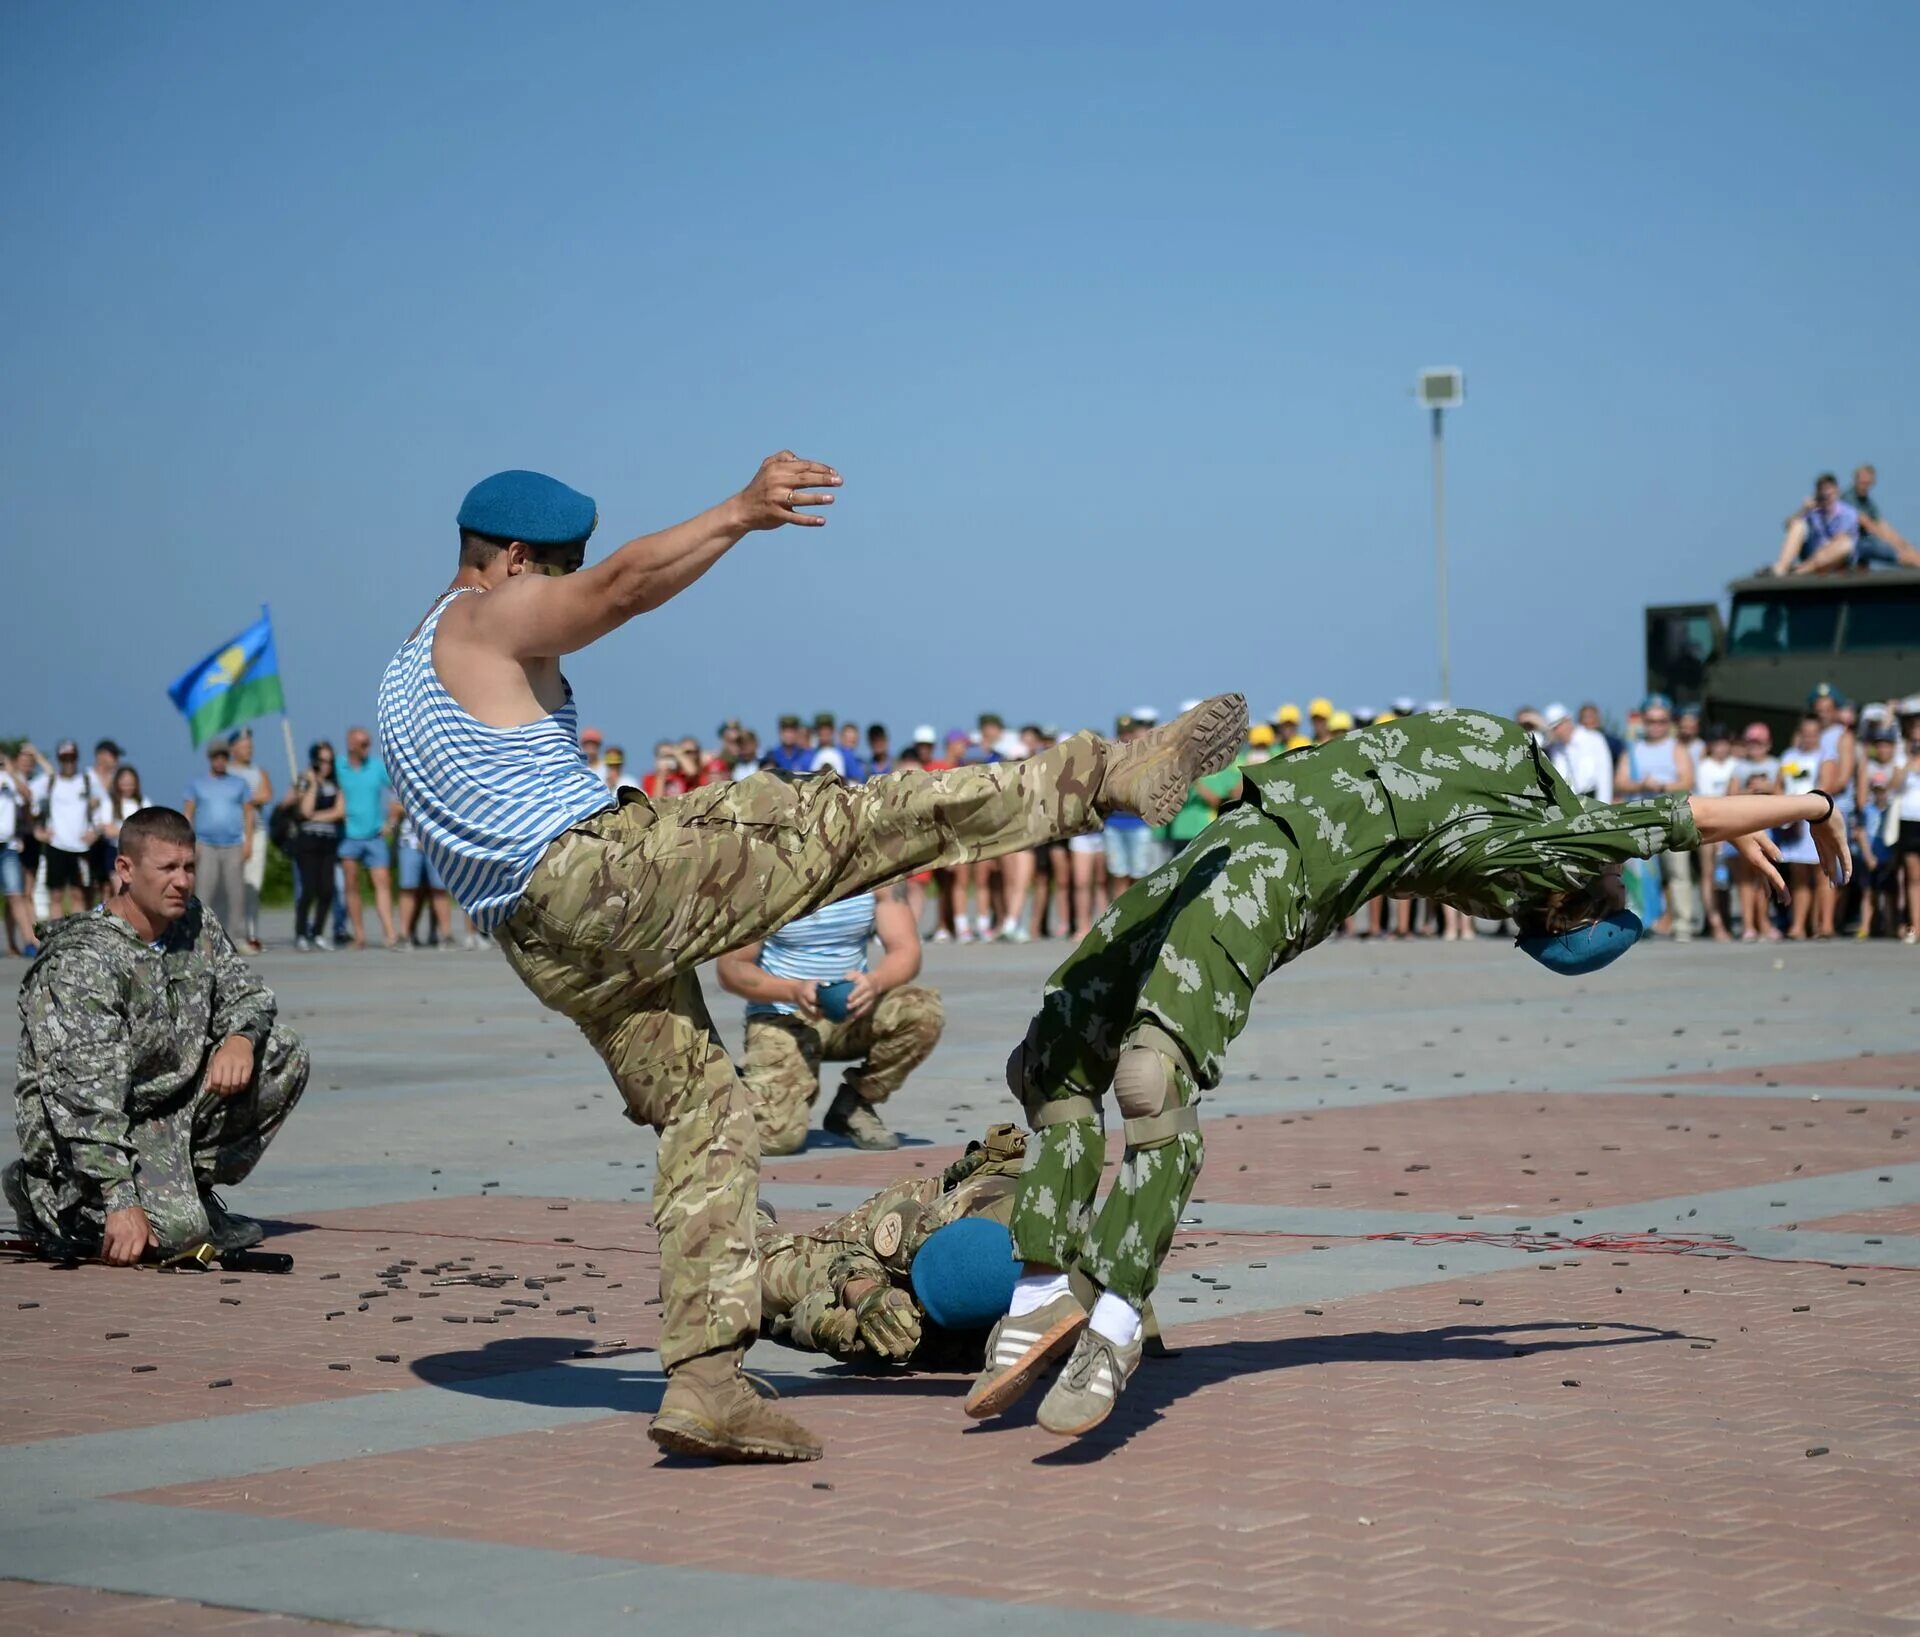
column 942, row 936
column 964, row 935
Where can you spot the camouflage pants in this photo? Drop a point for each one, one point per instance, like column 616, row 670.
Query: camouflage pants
column 624, row 906
column 1172, row 964
column 206, row 1142
column 784, row 1054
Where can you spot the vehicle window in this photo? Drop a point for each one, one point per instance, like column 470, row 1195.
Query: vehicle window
column 1890, row 618
column 1679, row 644
column 1783, row 625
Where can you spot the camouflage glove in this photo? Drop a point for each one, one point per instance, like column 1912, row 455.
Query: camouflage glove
column 889, row 1321
column 822, row 1325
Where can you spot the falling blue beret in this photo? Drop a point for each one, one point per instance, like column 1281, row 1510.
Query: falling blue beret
column 1587, row 948
column 528, row 506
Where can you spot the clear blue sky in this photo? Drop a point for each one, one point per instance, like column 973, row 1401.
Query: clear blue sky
column 1110, row 315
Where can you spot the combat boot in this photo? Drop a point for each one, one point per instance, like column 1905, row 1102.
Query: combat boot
column 13, row 1182
column 229, row 1230
column 851, row 1116
column 712, row 1410
column 1152, row 775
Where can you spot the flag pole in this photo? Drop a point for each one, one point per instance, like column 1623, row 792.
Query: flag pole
column 286, row 730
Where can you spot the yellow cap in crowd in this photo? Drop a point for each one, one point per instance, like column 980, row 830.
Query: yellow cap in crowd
column 1340, row 722
column 1288, row 712
column 1299, row 742
column 1260, row 734
column 1320, row 707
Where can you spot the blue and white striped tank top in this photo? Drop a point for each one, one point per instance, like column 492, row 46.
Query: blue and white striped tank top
column 487, row 800
column 824, row 947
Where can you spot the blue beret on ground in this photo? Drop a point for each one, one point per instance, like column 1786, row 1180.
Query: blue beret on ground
column 964, row 1274
column 528, row 506
column 1588, row 948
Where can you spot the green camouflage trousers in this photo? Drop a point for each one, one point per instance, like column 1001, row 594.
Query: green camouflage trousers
column 205, row 1142
column 624, row 906
column 1171, row 967
column 784, row 1054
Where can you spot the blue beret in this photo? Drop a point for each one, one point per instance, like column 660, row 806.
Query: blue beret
column 1588, row 948
column 964, row 1274
column 528, row 506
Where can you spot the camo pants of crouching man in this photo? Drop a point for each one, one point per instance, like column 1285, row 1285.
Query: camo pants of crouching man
column 624, row 906
column 784, row 1054
column 1170, row 969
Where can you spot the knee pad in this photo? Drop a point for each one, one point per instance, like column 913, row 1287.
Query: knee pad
column 1043, row 1110
column 1145, row 1087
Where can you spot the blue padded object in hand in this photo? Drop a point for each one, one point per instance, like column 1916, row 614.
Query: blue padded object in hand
column 832, row 999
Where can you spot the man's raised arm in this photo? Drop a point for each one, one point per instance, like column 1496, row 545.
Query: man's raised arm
column 535, row 616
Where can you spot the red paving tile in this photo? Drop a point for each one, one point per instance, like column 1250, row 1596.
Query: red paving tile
column 28, row 1609
column 1401, row 1464
column 1525, row 1152
column 1868, row 1071
column 269, row 1336
column 1882, row 1221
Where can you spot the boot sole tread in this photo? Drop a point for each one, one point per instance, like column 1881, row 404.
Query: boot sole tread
column 683, row 1439
column 1208, row 747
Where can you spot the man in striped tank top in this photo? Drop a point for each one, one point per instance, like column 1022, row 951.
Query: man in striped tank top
column 606, row 904
column 887, row 1027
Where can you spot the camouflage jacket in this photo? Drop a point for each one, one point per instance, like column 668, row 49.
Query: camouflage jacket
column 1454, row 805
column 115, row 1031
column 802, row 1275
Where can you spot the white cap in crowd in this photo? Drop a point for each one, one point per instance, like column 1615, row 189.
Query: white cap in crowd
column 1144, row 713
column 1555, row 714
column 924, row 735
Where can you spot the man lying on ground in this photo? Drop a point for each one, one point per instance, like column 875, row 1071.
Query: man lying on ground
column 151, row 1067
column 915, row 1274
column 1451, row 805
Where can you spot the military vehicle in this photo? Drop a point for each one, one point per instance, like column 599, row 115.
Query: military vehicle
column 1783, row 636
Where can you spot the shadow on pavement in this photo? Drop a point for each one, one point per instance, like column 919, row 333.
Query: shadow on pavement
column 543, row 1370
column 1161, row 1382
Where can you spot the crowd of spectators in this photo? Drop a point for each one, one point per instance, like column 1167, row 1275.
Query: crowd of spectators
column 1867, row 756
column 339, row 824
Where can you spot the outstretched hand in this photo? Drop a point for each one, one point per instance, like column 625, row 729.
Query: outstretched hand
column 1763, row 858
column 1830, row 840
column 783, row 484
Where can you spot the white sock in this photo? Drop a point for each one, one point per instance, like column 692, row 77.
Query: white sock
column 1117, row 1319
column 1034, row 1291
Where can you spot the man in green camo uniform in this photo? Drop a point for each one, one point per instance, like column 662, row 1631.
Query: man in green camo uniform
column 151, row 1067
column 1452, row 805
column 848, row 1288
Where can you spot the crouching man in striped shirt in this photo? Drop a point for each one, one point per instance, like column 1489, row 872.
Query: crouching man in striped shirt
column 605, row 903
column 812, row 998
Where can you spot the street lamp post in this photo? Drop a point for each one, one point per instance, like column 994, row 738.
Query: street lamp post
column 1441, row 390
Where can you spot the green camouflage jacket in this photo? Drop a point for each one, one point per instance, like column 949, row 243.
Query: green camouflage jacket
column 115, row 1031
column 1454, row 805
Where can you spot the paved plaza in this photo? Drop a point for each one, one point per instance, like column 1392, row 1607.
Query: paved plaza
column 1507, row 1305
